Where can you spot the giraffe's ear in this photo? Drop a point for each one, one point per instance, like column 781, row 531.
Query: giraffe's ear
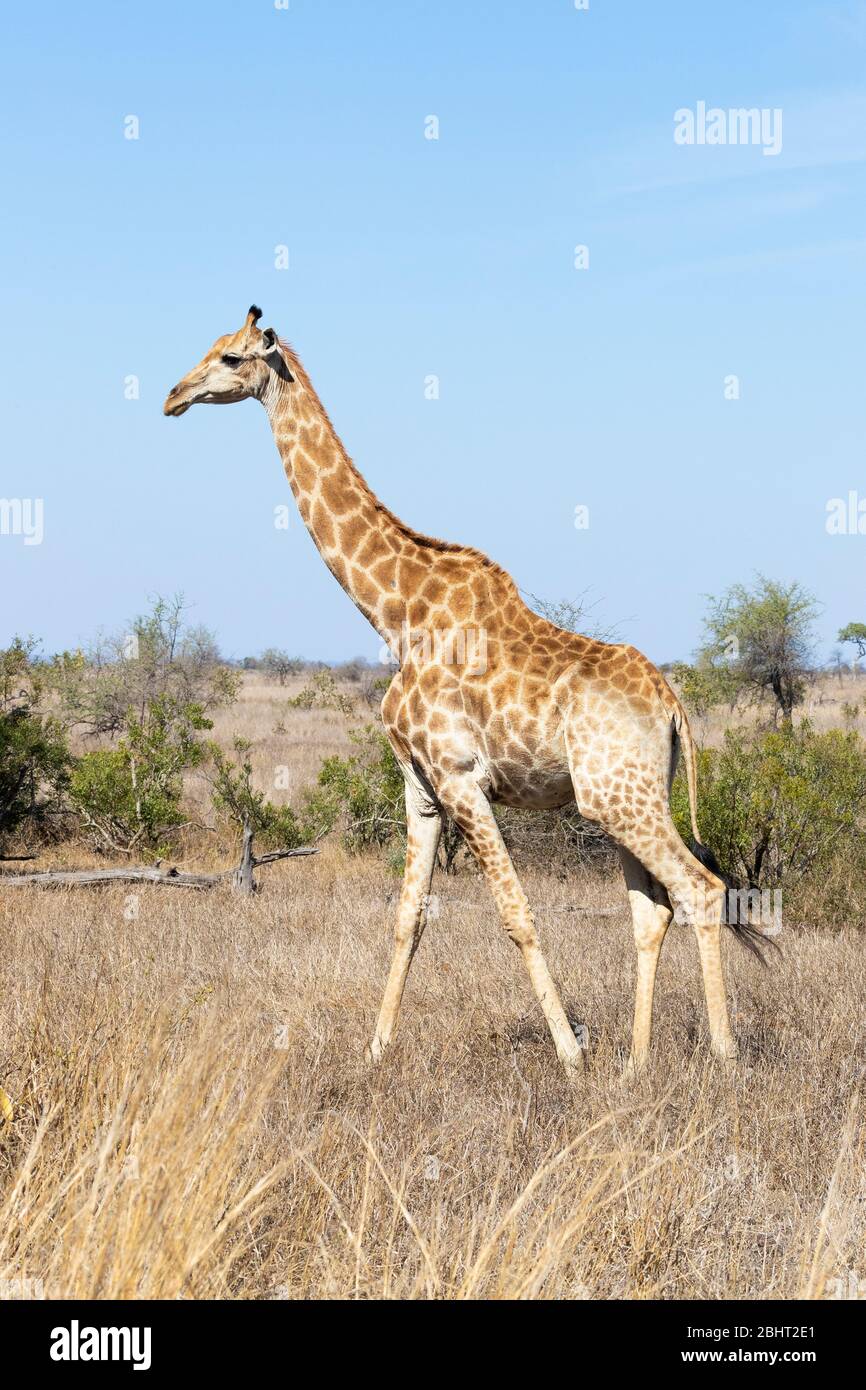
column 266, row 344
column 270, row 349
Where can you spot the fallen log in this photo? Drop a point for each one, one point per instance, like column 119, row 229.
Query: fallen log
column 173, row 878
column 73, row 878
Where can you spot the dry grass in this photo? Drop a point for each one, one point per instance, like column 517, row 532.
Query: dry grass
column 297, row 739
column 192, row 1115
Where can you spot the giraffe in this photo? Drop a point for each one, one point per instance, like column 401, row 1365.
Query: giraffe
column 537, row 717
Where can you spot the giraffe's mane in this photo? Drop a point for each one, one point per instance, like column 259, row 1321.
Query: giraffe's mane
column 418, row 537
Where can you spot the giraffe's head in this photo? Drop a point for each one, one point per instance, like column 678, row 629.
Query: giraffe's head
column 237, row 366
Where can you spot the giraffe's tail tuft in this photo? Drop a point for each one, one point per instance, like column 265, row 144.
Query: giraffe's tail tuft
column 747, row 935
column 706, row 857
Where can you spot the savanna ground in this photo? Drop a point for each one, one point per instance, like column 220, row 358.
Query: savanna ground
column 191, row 1115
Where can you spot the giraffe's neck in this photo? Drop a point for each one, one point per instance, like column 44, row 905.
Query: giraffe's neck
column 371, row 554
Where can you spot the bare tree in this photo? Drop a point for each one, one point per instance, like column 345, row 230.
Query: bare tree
column 278, row 663
column 573, row 615
column 120, row 674
column 856, row 634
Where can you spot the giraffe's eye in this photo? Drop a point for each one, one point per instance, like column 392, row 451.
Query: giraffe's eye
column 231, row 360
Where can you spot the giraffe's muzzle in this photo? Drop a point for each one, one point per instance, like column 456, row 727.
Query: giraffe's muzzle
column 175, row 403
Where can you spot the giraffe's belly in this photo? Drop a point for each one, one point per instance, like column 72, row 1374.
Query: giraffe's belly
column 525, row 762
column 538, row 788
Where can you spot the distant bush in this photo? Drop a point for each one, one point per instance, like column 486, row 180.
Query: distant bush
column 279, row 664
column 573, row 615
column 353, row 670
column 322, row 692
column 374, row 684
column 705, row 685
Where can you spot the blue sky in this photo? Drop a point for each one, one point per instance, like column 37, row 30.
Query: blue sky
column 409, row 257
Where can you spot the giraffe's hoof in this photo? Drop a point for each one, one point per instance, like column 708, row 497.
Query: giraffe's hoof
column 573, row 1064
column 374, row 1052
column 726, row 1050
column 634, row 1067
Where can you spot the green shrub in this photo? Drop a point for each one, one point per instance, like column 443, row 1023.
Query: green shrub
column 784, row 809
column 34, row 769
column 131, row 795
column 34, row 758
column 365, row 791
column 704, row 685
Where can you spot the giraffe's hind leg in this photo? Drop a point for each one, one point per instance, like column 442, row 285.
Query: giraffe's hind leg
column 423, row 828
column 699, row 898
column 621, row 771
column 651, row 914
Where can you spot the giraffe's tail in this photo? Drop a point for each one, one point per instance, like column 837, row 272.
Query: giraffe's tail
column 683, row 732
column 745, row 933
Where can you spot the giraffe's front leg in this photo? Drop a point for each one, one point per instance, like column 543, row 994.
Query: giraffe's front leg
column 423, row 828
column 466, row 803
